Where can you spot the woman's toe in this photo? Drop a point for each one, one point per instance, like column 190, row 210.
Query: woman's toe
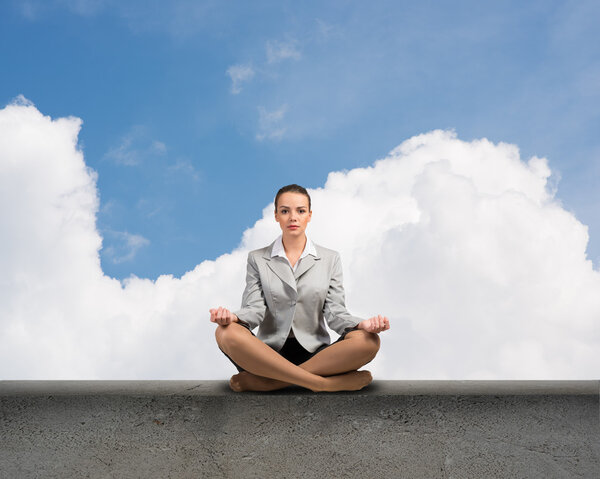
column 234, row 383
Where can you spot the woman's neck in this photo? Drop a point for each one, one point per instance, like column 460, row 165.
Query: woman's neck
column 294, row 244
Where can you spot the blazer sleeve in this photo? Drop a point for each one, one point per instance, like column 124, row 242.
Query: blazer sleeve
column 334, row 309
column 253, row 309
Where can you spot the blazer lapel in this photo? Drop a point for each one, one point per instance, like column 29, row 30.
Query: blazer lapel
column 281, row 268
column 305, row 264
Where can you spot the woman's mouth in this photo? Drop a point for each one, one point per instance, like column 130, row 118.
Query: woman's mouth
column 293, row 227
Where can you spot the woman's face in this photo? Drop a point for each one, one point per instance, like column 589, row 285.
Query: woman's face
column 292, row 213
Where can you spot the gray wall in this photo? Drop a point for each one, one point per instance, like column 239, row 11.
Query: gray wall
column 413, row 429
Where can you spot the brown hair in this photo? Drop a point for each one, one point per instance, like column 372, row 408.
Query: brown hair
column 292, row 189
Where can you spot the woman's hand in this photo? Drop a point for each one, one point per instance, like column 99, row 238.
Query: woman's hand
column 222, row 316
column 376, row 324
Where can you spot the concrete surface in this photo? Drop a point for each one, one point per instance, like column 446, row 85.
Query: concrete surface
column 392, row 429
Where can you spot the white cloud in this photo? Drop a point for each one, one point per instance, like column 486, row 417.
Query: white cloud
column 481, row 271
column 186, row 168
column 134, row 147
column 158, row 147
column 22, row 101
column 124, row 247
column 326, row 30
column 278, row 51
column 239, row 74
column 270, row 123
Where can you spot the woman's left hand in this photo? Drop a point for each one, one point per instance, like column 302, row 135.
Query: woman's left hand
column 376, row 324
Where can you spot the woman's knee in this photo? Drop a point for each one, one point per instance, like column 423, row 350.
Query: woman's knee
column 373, row 342
column 369, row 342
column 228, row 336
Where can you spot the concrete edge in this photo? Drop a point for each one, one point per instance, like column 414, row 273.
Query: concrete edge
column 377, row 388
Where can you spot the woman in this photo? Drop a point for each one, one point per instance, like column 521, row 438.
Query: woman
column 292, row 286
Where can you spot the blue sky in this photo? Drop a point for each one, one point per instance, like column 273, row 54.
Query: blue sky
column 187, row 157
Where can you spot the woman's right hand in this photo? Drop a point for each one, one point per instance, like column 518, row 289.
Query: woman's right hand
column 222, row 316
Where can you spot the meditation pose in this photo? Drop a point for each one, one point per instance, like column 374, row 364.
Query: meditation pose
column 292, row 287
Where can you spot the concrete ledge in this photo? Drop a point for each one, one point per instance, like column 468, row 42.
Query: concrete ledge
column 414, row 429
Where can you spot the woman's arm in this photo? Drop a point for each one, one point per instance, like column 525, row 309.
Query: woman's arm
column 253, row 307
column 334, row 310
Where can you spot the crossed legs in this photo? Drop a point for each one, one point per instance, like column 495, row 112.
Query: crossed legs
column 331, row 369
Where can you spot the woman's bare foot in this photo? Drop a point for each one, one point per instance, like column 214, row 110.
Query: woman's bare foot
column 246, row 381
column 351, row 381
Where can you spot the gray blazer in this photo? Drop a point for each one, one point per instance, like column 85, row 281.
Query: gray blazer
column 275, row 295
